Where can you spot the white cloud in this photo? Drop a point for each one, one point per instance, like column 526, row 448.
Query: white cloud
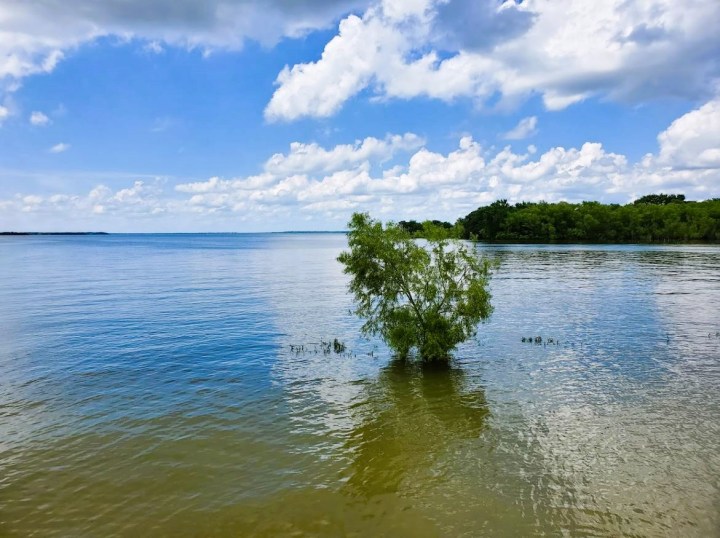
column 59, row 148
column 4, row 113
column 449, row 185
column 35, row 35
column 395, row 177
column 131, row 195
column 39, row 119
column 526, row 128
column 404, row 9
column 442, row 49
column 154, row 47
column 319, row 89
column 306, row 158
column 693, row 140
column 140, row 198
column 282, row 171
column 563, row 51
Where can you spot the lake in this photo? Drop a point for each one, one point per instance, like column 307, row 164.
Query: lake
column 151, row 385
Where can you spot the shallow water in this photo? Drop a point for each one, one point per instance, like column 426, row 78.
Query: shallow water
column 148, row 388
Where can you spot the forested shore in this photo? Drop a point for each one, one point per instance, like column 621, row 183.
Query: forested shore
column 656, row 218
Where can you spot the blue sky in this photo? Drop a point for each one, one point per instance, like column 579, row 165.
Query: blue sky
column 240, row 115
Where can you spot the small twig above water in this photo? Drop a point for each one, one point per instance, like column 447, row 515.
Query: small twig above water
column 538, row 340
column 328, row 347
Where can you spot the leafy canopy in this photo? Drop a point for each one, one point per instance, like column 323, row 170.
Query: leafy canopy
column 661, row 199
column 427, row 298
column 655, row 218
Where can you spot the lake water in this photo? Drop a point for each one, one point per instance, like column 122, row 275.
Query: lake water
column 148, row 388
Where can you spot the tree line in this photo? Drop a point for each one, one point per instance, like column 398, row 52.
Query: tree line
column 655, row 218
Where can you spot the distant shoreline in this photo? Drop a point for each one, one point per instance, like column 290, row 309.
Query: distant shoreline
column 54, row 233
column 175, row 233
column 325, row 232
column 311, row 232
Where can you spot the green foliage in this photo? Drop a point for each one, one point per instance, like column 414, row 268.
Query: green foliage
column 660, row 199
column 656, row 218
column 432, row 229
column 427, row 298
column 411, row 226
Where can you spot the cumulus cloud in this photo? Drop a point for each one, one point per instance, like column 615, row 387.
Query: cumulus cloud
column 34, row 36
column 4, row 113
column 307, row 158
column 563, row 51
column 39, row 119
column 319, row 89
column 442, row 49
column 448, row 185
column 693, row 140
column 59, row 148
column 89, row 211
column 397, row 177
column 478, row 26
column 526, row 128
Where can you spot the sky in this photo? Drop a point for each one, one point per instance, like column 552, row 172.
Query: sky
column 272, row 115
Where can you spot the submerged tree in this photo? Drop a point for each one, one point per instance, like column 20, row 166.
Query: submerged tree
column 425, row 298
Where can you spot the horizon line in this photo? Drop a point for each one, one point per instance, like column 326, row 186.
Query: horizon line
column 15, row 233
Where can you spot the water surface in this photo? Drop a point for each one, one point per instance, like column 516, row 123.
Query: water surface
column 148, row 387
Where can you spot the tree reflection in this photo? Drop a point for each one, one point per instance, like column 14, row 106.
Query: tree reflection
column 411, row 419
column 410, row 425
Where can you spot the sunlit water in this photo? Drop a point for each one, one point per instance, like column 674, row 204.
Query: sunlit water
column 148, row 388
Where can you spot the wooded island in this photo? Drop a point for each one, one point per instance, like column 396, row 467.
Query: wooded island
column 655, row 218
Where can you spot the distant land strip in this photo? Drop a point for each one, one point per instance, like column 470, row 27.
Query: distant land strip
column 54, row 233
column 655, row 218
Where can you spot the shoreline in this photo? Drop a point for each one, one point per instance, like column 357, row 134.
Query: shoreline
column 53, row 233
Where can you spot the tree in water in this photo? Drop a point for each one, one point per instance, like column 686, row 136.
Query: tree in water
column 423, row 298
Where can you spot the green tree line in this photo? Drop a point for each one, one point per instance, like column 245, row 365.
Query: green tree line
column 655, row 218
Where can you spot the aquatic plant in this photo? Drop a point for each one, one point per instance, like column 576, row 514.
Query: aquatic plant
column 325, row 347
column 539, row 340
column 338, row 347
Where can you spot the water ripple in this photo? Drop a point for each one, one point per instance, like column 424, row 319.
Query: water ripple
column 148, row 387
